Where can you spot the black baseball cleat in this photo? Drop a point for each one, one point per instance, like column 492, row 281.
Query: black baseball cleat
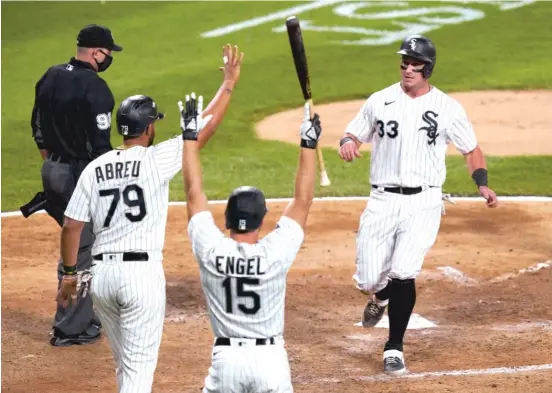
column 372, row 313
column 89, row 336
column 393, row 362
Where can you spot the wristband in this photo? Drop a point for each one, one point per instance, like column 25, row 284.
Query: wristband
column 189, row 135
column 308, row 144
column 479, row 176
column 69, row 270
column 345, row 140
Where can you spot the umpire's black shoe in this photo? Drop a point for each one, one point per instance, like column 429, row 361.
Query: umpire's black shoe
column 372, row 313
column 89, row 336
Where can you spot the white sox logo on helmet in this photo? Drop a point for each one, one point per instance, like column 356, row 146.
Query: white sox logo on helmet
column 413, row 44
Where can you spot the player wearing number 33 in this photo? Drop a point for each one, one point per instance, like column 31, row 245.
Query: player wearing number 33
column 409, row 125
column 244, row 277
column 125, row 193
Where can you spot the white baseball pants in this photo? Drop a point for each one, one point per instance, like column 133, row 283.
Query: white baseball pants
column 396, row 232
column 129, row 298
column 249, row 368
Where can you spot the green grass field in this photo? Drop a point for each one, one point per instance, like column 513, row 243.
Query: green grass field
column 165, row 57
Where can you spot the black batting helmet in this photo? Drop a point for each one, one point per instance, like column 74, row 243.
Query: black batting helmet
column 135, row 114
column 246, row 209
column 420, row 48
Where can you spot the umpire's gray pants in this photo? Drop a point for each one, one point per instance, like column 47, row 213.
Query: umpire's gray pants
column 59, row 181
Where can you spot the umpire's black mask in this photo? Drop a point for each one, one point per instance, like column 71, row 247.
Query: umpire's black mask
column 104, row 65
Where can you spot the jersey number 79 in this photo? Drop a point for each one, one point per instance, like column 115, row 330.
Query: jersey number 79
column 137, row 201
column 241, row 293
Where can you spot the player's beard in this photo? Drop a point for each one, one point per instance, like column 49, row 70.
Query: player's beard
column 151, row 137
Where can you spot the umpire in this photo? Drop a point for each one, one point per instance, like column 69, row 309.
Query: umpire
column 71, row 124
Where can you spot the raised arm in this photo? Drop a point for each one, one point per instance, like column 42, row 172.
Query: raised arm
column 299, row 207
column 219, row 104
column 193, row 125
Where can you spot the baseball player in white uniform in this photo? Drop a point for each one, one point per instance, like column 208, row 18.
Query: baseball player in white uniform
column 244, row 277
column 409, row 125
column 125, row 194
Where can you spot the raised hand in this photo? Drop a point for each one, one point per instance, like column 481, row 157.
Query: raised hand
column 232, row 61
column 191, row 120
column 311, row 128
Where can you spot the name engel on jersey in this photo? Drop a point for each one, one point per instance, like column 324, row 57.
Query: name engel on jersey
column 235, row 266
column 117, row 170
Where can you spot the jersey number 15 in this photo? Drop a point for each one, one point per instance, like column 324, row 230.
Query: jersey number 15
column 241, row 293
column 137, row 201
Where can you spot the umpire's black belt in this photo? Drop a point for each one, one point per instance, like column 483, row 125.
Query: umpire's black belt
column 258, row 341
column 127, row 256
column 58, row 158
column 403, row 190
column 65, row 160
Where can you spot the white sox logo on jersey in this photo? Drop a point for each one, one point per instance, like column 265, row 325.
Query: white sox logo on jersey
column 431, row 128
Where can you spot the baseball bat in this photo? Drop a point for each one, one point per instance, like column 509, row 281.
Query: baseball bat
column 300, row 59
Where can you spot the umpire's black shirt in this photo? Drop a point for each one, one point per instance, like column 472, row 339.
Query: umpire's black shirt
column 71, row 116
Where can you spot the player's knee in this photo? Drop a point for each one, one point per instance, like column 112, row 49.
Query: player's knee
column 403, row 276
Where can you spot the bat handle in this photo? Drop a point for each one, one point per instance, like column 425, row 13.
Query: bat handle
column 324, row 179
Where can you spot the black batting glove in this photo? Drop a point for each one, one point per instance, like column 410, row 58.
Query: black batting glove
column 191, row 121
column 311, row 129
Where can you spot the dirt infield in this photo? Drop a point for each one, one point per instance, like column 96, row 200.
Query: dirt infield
column 496, row 117
column 490, row 318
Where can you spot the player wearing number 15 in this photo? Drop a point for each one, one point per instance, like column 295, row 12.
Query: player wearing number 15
column 244, row 277
column 125, row 193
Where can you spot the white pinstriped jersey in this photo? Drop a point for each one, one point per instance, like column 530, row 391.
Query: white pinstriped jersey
column 410, row 136
column 245, row 284
column 126, row 194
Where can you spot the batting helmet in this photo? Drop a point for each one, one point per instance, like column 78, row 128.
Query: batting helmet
column 420, row 48
column 246, row 209
column 135, row 114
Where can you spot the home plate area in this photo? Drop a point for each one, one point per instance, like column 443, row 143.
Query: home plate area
column 482, row 320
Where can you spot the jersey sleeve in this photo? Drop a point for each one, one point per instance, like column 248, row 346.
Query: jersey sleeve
column 285, row 240
column 79, row 207
column 35, row 115
column 204, row 235
column 101, row 101
column 362, row 125
column 168, row 157
column 461, row 132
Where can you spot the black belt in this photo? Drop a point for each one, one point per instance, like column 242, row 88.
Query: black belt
column 258, row 341
column 58, row 158
column 127, row 256
column 65, row 160
column 403, row 190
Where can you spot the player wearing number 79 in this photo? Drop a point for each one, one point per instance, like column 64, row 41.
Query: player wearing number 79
column 125, row 194
column 244, row 277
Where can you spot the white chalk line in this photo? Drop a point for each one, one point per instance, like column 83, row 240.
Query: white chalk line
column 462, row 278
column 436, row 374
column 339, row 199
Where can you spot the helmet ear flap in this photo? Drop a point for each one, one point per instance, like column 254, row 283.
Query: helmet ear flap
column 428, row 70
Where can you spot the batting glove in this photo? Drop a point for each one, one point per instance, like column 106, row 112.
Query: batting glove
column 191, row 121
column 311, row 128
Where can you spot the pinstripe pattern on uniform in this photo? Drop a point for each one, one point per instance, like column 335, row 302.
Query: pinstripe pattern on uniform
column 409, row 139
column 241, row 307
column 408, row 159
column 126, row 194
